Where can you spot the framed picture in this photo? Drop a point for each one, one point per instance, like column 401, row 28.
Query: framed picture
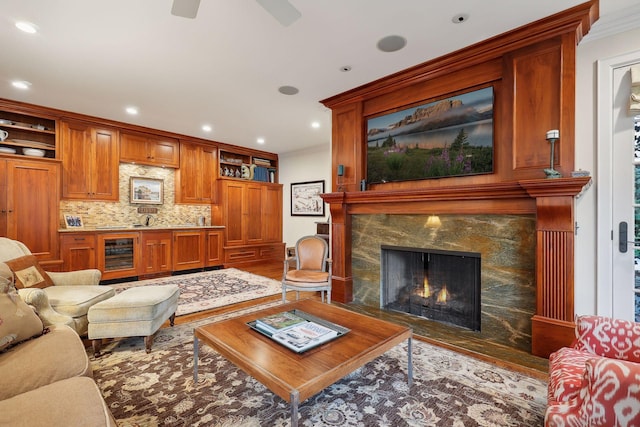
column 73, row 221
column 306, row 200
column 147, row 191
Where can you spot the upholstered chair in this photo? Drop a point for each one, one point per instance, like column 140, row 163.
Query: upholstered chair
column 312, row 268
column 67, row 296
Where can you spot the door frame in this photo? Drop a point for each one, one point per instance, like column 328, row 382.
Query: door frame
column 604, row 164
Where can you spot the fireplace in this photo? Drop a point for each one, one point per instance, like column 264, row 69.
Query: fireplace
column 439, row 285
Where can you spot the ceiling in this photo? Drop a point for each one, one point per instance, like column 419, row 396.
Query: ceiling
column 224, row 67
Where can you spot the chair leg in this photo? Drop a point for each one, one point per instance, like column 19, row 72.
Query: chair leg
column 284, row 294
column 297, row 295
column 328, row 296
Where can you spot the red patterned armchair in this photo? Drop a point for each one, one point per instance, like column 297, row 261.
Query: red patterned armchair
column 596, row 381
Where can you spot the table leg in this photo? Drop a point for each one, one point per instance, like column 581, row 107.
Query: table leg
column 195, row 360
column 294, row 408
column 410, row 363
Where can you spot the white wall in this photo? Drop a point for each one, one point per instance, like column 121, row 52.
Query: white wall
column 313, row 164
column 588, row 53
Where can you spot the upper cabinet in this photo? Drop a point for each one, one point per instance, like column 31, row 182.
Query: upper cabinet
column 249, row 165
column 149, row 149
column 195, row 179
column 27, row 135
column 89, row 162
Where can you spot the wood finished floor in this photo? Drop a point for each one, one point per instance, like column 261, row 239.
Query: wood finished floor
column 433, row 332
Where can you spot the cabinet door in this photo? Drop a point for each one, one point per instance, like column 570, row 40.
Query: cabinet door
column 32, row 206
column 254, row 215
column 272, row 213
column 133, row 148
column 195, row 179
column 164, row 152
column 188, row 250
column 78, row 251
column 76, row 160
column 215, row 255
column 156, row 252
column 233, row 205
column 105, row 161
column 89, row 162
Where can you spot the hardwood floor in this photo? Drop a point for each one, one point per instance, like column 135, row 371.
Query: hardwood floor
column 429, row 331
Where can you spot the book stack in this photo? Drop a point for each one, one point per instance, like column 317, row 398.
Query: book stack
column 295, row 332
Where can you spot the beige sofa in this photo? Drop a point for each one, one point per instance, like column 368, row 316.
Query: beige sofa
column 68, row 299
column 45, row 374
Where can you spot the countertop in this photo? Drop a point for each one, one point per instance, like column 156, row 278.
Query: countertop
column 129, row 228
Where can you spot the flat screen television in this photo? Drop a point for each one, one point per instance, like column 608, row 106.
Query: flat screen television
column 449, row 137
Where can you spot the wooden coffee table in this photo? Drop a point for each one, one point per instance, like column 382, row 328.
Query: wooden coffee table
column 296, row 377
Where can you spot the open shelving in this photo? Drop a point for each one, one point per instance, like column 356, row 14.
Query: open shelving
column 27, row 131
column 257, row 168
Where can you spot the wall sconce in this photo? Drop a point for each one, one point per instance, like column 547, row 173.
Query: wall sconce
column 433, row 222
column 552, row 137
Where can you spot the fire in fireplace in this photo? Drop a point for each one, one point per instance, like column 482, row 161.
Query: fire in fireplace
column 443, row 286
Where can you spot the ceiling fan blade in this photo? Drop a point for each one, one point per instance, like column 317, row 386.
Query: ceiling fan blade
column 282, row 10
column 185, row 8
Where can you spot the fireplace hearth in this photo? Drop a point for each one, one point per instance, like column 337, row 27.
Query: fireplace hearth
column 443, row 286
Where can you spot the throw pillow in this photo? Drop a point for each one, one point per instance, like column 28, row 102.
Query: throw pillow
column 18, row 321
column 28, row 272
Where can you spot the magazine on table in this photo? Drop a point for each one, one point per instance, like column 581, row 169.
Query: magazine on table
column 297, row 330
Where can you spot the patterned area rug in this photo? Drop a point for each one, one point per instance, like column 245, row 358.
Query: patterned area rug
column 212, row 289
column 449, row 389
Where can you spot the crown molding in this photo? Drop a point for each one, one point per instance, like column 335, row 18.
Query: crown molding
column 618, row 22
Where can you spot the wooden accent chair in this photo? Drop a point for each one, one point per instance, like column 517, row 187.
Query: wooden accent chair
column 313, row 268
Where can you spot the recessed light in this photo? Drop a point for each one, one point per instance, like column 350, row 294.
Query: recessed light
column 21, row 84
column 27, row 27
column 207, row 128
column 391, row 43
column 288, row 90
column 315, row 125
column 460, row 18
column 132, row 110
column 345, row 68
column 260, row 141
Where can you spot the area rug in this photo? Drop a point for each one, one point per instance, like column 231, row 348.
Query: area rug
column 449, row 389
column 212, row 289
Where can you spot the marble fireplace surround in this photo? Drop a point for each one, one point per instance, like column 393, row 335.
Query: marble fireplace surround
column 523, row 229
column 506, row 244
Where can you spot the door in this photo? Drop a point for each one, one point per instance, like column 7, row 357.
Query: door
column 626, row 201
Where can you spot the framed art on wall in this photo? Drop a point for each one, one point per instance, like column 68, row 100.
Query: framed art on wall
column 306, row 200
column 147, row 190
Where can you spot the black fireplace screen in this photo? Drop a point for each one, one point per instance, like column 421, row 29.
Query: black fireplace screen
column 439, row 285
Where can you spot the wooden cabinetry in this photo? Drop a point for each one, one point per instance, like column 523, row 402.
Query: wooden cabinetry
column 156, row 252
column 78, row 251
column 215, row 250
column 149, row 149
column 27, row 131
column 262, row 167
column 196, row 178
column 188, row 249
column 29, row 199
column 118, row 254
column 252, row 215
column 89, row 162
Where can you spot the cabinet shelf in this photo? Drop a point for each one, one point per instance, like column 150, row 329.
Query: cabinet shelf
column 265, row 166
column 27, row 131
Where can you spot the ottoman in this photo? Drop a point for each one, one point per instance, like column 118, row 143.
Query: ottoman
column 134, row 312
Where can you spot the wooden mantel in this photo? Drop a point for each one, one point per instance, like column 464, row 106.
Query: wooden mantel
column 532, row 72
column 551, row 200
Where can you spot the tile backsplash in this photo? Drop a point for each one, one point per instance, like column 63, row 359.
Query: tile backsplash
column 123, row 213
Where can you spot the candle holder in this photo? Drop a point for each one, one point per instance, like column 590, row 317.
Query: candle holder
column 552, row 137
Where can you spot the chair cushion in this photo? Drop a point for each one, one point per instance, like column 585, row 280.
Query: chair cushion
column 18, row 321
column 28, row 272
column 54, row 356
column 139, row 303
column 603, row 336
column 566, row 370
column 76, row 300
column 307, row 276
